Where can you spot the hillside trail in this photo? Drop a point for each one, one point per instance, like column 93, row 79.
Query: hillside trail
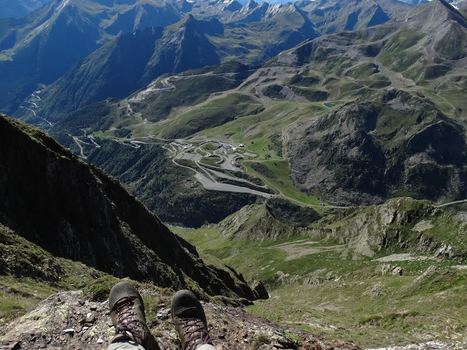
column 68, row 321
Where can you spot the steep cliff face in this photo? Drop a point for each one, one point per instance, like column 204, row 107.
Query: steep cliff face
column 75, row 211
column 163, row 187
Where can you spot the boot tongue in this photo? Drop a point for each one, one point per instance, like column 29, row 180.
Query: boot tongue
column 187, row 312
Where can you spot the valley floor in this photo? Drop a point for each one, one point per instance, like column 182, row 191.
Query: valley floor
column 223, row 166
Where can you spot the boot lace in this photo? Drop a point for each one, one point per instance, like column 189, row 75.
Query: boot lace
column 127, row 322
column 195, row 333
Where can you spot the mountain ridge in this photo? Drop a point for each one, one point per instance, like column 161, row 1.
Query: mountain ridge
column 280, row 27
column 75, row 211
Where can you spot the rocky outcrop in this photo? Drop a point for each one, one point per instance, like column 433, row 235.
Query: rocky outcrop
column 260, row 291
column 73, row 210
column 275, row 219
column 401, row 224
column 77, row 323
column 367, row 151
column 289, row 213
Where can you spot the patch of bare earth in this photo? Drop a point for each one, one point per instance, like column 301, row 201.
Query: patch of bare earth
column 298, row 249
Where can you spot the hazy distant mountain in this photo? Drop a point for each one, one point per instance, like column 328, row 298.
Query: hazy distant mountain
column 123, row 65
column 455, row 3
column 130, row 62
column 414, row 2
column 463, row 8
column 42, row 47
column 397, row 142
column 19, row 8
column 331, row 16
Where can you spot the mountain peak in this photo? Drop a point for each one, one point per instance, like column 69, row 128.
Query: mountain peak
column 232, row 5
column 438, row 11
column 275, row 9
column 451, row 8
column 250, row 5
column 212, row 26
column 189, row 19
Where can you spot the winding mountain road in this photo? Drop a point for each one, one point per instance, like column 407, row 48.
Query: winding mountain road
column 212, row 177
column 208, row 177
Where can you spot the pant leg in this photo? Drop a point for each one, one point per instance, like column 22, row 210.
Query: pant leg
column 206, row 347
column 127, row 345
column 134, row 346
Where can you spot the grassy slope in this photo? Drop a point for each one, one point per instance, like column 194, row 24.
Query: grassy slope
column 215, row 112
column 329, row 293
column 232, row 115
column 17, row 296
column 374, row 310
column 262, row 136
column 344, row 80
column 29, row 274
column 235, row 115
column 258, row 131
column 276, row 174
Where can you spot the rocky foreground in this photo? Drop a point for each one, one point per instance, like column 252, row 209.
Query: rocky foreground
column 68, row 321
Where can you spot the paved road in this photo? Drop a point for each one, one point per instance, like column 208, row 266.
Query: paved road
column 209, row 182
column 78, row 143
column 210, row 185
column 462, row 201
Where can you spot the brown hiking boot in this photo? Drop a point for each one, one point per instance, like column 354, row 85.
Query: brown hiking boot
column 189, row 320
column 127, row 313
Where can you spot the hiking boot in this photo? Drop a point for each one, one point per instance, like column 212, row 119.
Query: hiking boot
column 189, row 320
column 127, row 313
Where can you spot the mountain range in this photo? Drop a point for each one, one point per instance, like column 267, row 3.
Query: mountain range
column 19, row 8
column 304, row 162
column 382, row 93
column 424, row 57
column 252, row 32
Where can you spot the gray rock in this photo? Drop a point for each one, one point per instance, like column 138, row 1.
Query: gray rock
column 260, row 291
